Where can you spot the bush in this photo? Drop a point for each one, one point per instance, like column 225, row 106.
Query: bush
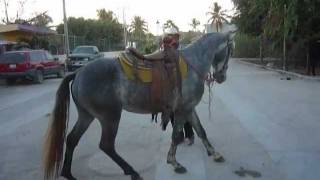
column 149, row 47
column 246, row 46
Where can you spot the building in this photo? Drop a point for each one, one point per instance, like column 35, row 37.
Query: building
column 10, row 34
column 13, row 32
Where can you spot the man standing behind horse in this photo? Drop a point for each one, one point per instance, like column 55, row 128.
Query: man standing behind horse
column 166, row 88
column 171, row 39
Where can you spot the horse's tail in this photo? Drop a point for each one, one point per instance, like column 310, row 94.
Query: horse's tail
column 57, row 129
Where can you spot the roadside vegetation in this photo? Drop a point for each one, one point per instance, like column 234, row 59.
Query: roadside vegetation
column 279, row 28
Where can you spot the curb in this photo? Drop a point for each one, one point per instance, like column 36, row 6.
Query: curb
column 281, row 71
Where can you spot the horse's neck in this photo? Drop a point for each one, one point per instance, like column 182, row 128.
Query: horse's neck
column 198, row 58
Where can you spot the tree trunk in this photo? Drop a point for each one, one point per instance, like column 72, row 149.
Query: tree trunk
column 308, row 61
column 284, row 41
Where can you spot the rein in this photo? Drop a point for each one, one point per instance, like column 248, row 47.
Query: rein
column 208, row 78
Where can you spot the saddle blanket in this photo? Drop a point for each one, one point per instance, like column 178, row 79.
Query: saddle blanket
column 144, row 68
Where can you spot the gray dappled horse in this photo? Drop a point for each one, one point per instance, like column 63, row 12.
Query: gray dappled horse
column 101, row 90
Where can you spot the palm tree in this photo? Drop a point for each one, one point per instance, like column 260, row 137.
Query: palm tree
column 194, row 24
column 105, row 15
column 138, row 28
column 217, row 16
column 170, row 24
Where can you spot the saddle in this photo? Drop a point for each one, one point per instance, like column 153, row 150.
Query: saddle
column 156, row 56
column 166, row 69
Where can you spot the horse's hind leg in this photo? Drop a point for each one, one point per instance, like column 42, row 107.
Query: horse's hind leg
column 84, row 120
column 110, row 123
column 194, row 119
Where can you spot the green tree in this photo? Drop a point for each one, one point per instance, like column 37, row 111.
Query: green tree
column 194, row 24
column 138, row 29
column 250, row 15
column 150, row 45
column 274, row 18
column 281, row 21
column 217, row 16
column 104, row 32
column 42, row 19
column 105, row 15
column 308, row 26
column 170, row 24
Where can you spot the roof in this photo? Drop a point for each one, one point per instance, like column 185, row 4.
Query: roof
column 4, row 42
column 26, row 28
column 24, row 51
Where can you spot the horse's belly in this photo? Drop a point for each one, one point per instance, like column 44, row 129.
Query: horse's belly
column 141, row 100
column 137, row 110
column 136, row 97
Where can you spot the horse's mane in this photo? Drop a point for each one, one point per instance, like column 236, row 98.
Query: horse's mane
column 199, row 39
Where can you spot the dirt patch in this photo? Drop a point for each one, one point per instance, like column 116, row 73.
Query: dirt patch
column 242, row 172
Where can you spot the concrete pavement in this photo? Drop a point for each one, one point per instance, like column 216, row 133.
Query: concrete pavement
column 281, row 116
column 259, row 122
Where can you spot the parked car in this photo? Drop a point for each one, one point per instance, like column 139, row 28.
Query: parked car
column 29, row 64
column 81, row 56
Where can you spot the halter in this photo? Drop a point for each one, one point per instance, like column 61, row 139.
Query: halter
column 224, row 67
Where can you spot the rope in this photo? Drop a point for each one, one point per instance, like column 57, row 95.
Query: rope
column 209, row 82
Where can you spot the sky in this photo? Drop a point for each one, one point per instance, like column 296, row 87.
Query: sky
column 180, row 11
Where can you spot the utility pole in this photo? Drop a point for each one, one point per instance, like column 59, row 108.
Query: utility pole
column 284, row 39
column 158, row 27
column 74, row 41
column 124, row 28
column 261, row 47
column 66, row 39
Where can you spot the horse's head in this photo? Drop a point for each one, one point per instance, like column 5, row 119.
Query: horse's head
column 214, row 49
column 220, row 62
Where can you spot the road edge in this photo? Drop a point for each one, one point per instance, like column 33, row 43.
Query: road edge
column 278, row 70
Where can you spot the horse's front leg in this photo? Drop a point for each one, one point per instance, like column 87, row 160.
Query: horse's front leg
column 195, row 121
column 171, row 158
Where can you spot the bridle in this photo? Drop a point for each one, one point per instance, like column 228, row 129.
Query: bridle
column 225, row 64
column 208, row 78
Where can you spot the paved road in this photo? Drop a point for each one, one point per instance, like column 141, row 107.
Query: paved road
column 260, row 123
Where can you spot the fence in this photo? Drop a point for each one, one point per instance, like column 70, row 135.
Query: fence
column 249, row 47
column 56, row 43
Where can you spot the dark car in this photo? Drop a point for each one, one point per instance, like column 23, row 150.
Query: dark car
column 29, row 64
column 82, row 55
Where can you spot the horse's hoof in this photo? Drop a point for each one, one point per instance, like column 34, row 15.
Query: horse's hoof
column 136, row 177
column 180, row 170
column 190, row 141
column 68, row 176
column 218, row 158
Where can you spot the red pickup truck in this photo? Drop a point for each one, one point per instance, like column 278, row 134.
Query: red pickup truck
column 30, row 64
